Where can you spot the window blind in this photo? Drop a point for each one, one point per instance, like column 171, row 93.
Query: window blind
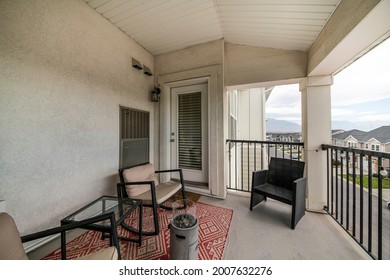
column 190, row 131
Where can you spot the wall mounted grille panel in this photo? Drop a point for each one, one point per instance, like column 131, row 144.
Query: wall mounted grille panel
column 134, row 137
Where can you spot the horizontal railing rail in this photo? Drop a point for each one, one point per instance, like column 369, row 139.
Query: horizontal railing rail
column 356, row 182
column 246, row 156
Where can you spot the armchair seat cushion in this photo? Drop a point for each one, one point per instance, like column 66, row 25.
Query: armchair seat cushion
column 283, row 194
column 11, row 247
column 163, row 192
column 144, row 172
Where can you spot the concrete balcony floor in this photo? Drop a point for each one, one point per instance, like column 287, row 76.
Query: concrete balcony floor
column 265, row 234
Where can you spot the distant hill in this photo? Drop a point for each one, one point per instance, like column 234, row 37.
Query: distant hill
column 274, row 125
column 365, row 126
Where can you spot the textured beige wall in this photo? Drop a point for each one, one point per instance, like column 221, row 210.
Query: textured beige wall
column 250, row 65
column 190, row 58
column 64, row 71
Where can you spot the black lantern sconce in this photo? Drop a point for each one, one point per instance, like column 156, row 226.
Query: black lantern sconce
column 155, row 94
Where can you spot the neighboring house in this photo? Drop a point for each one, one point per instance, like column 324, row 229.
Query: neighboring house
column 375, row 140
column 284, row 136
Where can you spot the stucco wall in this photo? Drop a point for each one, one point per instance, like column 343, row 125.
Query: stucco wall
column 250, row 65
column 64, row 72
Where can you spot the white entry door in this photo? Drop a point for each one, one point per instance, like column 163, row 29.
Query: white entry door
column 189, row 132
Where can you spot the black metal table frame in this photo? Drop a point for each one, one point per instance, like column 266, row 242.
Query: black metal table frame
column 124, row 212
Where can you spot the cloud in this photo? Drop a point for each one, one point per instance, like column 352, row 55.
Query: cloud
column 366, row 80
column 360, row 93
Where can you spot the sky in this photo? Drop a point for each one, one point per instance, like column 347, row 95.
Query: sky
column 360, row 94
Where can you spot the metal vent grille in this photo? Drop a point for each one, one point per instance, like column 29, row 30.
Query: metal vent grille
column 134, row 134
column 134, row 151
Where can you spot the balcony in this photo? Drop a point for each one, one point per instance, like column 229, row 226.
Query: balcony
column 67, row 71
column 353, row 207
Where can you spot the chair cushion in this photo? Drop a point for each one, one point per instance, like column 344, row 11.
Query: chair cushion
column 11, row 247
column 110, row 253
column 139, row 173
column 163, row 192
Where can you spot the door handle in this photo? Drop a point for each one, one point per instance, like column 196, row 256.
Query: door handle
column 172, row 140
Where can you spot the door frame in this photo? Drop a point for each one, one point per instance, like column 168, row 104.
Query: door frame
column 165, row 127
column 217, row 102
column 190, row 175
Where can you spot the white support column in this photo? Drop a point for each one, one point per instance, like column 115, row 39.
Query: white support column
column 316, row 130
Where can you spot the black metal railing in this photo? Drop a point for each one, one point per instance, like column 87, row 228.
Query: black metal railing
column 246, row 156
column 357, row 180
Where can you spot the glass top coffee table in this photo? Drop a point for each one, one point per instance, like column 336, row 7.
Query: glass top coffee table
column 121, row 207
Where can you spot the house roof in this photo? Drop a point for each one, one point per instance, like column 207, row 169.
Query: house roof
column 382, row 134
column 162, row 26
column 355, row 133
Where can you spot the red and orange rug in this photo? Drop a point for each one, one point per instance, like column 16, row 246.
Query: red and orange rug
column 213, row 230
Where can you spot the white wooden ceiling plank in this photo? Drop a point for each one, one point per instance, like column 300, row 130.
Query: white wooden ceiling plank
column 277, row 8
column 250, row 25
column 313, row 22
column 132, row 10
column 270, row 30
column 147, row 14
column 277, row 2
column 188, row 21
column 268, row 38
column 168, row 8
column 292, row 15
column 181, row 13
column 278, row 33
column 124, row 9
column 296, row 37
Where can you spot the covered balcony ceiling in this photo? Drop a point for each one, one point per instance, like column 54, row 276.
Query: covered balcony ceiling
column 161, row 26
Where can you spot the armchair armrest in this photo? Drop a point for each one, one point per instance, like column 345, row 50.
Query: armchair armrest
column 173, row 170
column 259, row 177
column 169, row 170
column 299, row 189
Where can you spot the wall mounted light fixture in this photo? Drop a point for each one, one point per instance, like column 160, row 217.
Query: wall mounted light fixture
column 147, row 71
column 136, row 64
column 155, row 94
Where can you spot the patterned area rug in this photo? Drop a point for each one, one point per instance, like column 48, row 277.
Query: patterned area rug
column 213, row 230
